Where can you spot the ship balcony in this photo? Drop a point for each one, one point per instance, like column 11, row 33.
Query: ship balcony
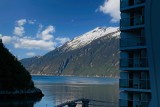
column 133, row 62
column 133, row 103
column 132, row 22
column 130, row 3
column 135, row 84
column 132, row 42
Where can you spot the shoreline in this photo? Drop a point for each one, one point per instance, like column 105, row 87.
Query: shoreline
column 34, row 93
column 76, row 76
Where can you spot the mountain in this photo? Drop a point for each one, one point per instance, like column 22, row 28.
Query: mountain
column 15, row 80
column 94, row 53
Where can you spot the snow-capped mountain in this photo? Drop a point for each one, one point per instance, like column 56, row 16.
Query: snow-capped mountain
column 94, row 53
column 90, row 36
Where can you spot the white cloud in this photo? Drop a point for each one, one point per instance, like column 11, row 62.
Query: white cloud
column 19, row 29
column 34, row 44
column 43, row 40
column 46, row 34
column 6, row 39
column 111, row 7
column 21, row 22
column 40, row 27
column 30, row 54
column 31, row 22
column 62, row 40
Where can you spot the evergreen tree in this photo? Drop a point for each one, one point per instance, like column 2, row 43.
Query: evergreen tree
column 12, row 73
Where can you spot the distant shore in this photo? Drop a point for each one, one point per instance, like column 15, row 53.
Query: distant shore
column 74, row 76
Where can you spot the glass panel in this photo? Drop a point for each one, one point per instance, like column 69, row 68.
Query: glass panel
column 132, row 21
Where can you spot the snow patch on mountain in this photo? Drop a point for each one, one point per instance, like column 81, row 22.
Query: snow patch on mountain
column 90, row 36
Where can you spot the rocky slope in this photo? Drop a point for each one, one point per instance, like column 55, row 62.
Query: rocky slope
column 94, row 53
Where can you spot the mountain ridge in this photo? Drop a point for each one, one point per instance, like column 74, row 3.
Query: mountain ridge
column 97, row 57
column 90, row 36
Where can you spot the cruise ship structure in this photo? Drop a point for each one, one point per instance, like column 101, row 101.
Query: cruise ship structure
column 140, row 53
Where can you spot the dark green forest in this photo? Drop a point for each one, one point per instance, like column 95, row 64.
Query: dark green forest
column 13, row 75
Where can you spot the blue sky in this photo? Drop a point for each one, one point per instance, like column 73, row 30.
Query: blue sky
column 35, row 27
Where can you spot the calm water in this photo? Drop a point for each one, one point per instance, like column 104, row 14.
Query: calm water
column 61, row 89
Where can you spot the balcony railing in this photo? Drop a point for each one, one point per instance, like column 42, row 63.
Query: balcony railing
column 130, row 103
column 130, row 42
column 132, row 21
column 126, row 3
column 133, row 62
column 136, row 84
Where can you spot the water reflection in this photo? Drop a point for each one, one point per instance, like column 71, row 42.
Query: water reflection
column 58, row 93
column 94, row 92
column 61, row 89
column 19, row 102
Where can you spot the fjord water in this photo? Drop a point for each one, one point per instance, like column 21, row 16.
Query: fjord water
column 61, row 89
